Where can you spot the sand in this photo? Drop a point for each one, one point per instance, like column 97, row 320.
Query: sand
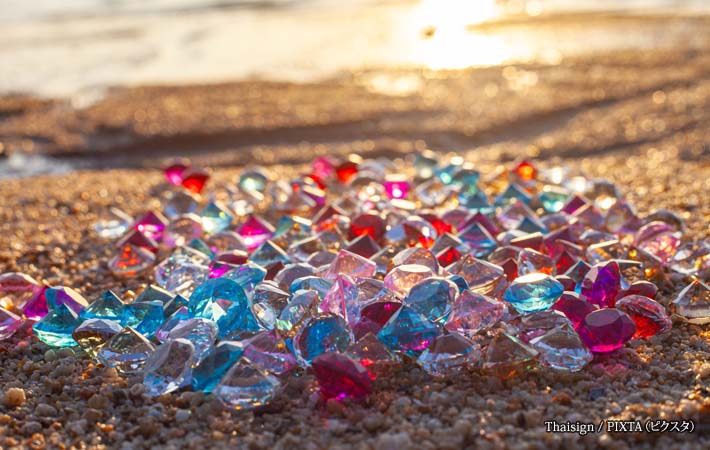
column 638, row 118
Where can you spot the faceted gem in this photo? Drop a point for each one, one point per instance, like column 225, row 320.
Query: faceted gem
column 168, row 367
column 215, row 218
column 574, row 307
column 200, row 332
column 396, row 186
column 693, row 303
column 291, row 229
column 691, row 258
column 533, row 292
column 447, row 353
column 372, row 354
column 171, row 306
column 108, row 307
column 606, row 330
column 432, row 298
column 174, row 172
column 255, row 232
column 641, row 287
column 474, row 312
column 346, row 171
column 126, row 352
column 658, row 239
column 179, row 316
column 321, row 334
column 36, row 307
column 348, row 263
column 341, row 299
column 179, row 203
column 114, row 226
column 530, row 261
column 246, row 386
column 538, row 323
column 602, row 284
column 402, row 278
column 562, row 349
column 408, row 332
column 154, row 293
column 131, row 260
column 292, row 272
column 152, row 224
column 223, row 241
column 65, row 296
column 248, row 276
column 650, row 316
column 380, row 310
column 215, row 365
column 268, row 254
column 511, row 195
column 372, row 225
column 416, row 255
column 182, row 230
column 253, row 180
column 340, row 376
column 297, row 310
column 16, row 289
column 267, row 303
column 478, row 239
column 506, row 356
column 145, row 317
column 55, row 329
column 364, row 246
column 194, row 180
column 480, row 275
column 9, row 323
column 268, row 351
column 553, row 198
column 525, row 171
column 323, row 167
column 93, row 334
column 223, row 301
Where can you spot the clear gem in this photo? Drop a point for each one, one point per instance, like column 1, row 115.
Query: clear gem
column 245, row 386
column 127, row 351
column 350, row 264
column 561, row 348
column 506, row 356
column 9, row 323
column 268, row 351
column 693, row 303
column 449, row 352
column 131, row 260
column 433, row 298
column 168, row 367
column 200, row 332
column 93, row 334
column 16, row 289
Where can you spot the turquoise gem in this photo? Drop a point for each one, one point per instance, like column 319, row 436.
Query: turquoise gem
column 459, row 281
column 248, row 276
column 202, row 247
column 154, row 293
column 432, row 298
column 213, row 367
column 223, row 301
column 446, row 174
column 145, row 317
column 408, row 332
column 65, row 296
column 321, row 334
column 269, row 253
column 477, row 202
column 533, row 292
column 215, row 218
column 253, row 180
column 512, row 194
column 291, row 229
column 108, row 307
column 529, row 225
column 170, row 307
column 56, row 327
column 553, row 199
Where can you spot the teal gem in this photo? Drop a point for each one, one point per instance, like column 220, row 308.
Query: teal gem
column 291, row 229
column 171, row 306
column 459, row 281
column 182, row 314
column 553, row 198
column 253, row 180
column 55, row 329
column 477, row 202
column 223, row 301
column 145, row 317
column 446, row 174
column 202, row 247
column 432, row 298
column 153, row 293
column 408, row 332
column 269, row 253
column 321, row 334
column 109, row 307
column 533, row 292
column 248, row 276
column 215, row 218
column 530, row 225
column 512, row 194
column 467, row 181
column 213, row 367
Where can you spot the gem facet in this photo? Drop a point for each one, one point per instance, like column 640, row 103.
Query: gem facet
column 340, row 376
column 606, row 330
column 533, row 292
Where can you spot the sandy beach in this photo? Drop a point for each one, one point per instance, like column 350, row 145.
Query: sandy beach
column 639, row 118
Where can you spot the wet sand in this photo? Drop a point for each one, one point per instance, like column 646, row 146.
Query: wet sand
column 638, row 118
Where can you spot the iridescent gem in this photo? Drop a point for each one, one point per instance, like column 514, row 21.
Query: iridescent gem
column 606, row 330
column 448, row 353
column 659, row 239
column 93, row 334
column 55, row 329
column 473, row 312
column 506, row 356
column 408, row 332
column 340, row 376
column 268, row 351
column 341, row 299
column 248, row 276
column 480, row 275
column 691, row 258
column 650, row 316
column 553, row 198
column 178, row 203
column 168, row 367
column 9, row 323
column 292, row 272
column 126, row 352
column 538, row 323
column 179, row 316
column 372, row 354
column 693, row 303
column 200, row 332
column 213, row 366
column 65, row 296
column 223, row 301
column 245, row 386
column 267, row 303
column 529, row 261
column 297, row 310
column 478, row 239
column 182, row 229
column 402, row 278
column 433, row 298
column 533, row 292
column 215, row 218
column 321, row 334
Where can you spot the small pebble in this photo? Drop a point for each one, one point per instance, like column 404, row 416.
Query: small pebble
column 14, row 397
column 45, row 410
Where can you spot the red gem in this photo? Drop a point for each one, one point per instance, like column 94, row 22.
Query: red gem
column 380, row 312
column 194, row 180
column 339, row 376
column 525, row 171
column 137, row 239
column 364, row 246
column 575, row 307
column 484, row 221
column 645, row 288
column 439, row 225
column 370, row 224
column 346, row 171
column 650, row 316
column 448, row 256
column 568, row 283
column 564, row 262
column 510, row 266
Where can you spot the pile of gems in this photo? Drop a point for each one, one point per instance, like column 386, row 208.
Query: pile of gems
column 354, row 266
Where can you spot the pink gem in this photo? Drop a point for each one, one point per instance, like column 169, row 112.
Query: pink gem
column 152, row 224
column 645, row 288
column 255, row 231
column 350, row 264
column 396, row 186
column 650, row 316
column 339, row 376
column 9, row 323
column 36, row 307
column 16, row 288
column 574, row 307
column 175, row 171
column 606, row 330
column 137, row 239
column 658, row 239
column 323, row 167
column 602, row 284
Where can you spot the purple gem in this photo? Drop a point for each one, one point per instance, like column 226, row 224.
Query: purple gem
column 606, row 330
column 602, row 284
column 152, row 224
column 61, row 295
column 574, row 307
column 36, row 307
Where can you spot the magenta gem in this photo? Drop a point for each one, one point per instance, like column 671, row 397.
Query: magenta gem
column 36, row 307
column 574, row 307
column 380, row 312
column 602, row 284
column 340, row 376
column 606, row 330
column 396, row 187
column 255, row 231
column 174, row 172
column 152, row 224
column 645, row 288
column 568, row 283
column 323, row 167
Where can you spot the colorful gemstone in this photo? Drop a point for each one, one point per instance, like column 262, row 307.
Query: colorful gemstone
column 131, row 260
column 168, row 367
column 9, row 323
column 533, row 292
column 432, row 298
column 448, row 353
column 408, row 332
column 55, row 329
column 255, row 231
column 340, row 376
column 606, row 330
column 650, row 316
column 215, row 365
column 574, row 307
column 321, row 334
column 402, row 278
column 108, row 306
column 602, row 284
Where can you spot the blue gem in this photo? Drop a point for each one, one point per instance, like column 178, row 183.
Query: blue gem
column 145, row 317
column 215, row 218
column 179, row 316
column 201, row 247
column 459, row 281
column 433, row 298
column 533, row 292
column 247, row 276
column 408, row 332
column 321, row 334
column 223, row 301
column 170, row 307
column 65, row 296
column 269, row 253
column 213, row 367
column 553, row 199
column 311, row 283
column 108, row 307
column 477, row 202
column 478, row 239
column 512, row 194
column 56, row 327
